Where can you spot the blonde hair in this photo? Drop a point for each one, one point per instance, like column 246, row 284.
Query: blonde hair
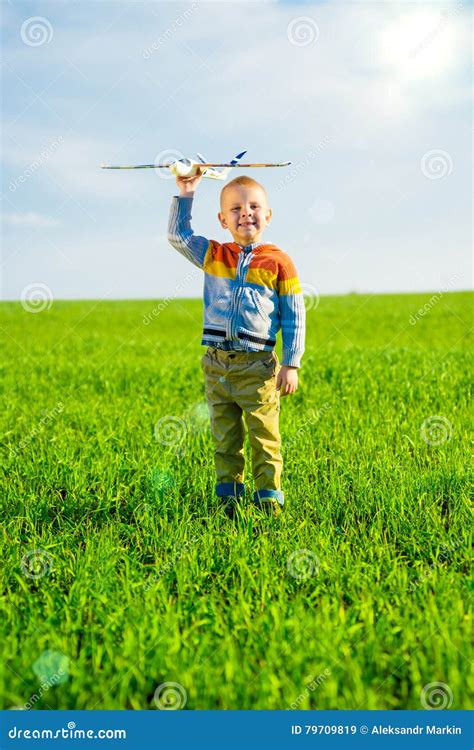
column 245, row 182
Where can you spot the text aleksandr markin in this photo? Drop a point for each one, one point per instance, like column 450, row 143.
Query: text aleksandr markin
column 430, row 729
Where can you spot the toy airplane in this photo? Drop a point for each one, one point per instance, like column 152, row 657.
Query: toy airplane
column 189, row 167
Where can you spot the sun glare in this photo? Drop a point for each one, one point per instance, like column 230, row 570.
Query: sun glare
column 420, row 44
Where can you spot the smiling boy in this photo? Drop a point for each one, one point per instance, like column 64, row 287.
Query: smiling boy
column 251, row 291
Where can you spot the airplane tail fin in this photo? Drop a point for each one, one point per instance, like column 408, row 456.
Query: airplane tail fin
column 220, row 174
column 238, row 158
column 224, row 172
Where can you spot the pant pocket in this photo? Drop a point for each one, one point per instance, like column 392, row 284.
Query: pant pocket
column 206, row 360
column 271, row 364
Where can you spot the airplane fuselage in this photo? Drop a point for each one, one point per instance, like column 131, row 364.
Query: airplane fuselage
column 184, row 167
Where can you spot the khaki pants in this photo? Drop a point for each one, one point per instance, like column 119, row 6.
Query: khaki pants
column 242, row 385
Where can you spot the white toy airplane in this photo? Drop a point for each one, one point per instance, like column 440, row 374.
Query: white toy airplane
column 189, row 167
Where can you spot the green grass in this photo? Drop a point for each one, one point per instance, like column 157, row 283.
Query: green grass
column 145, row 581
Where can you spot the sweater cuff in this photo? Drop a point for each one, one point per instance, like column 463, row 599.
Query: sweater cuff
column 184, row 198
column 291, row 358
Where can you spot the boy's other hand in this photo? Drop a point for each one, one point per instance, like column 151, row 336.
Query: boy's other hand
column 287, row 380
column 188, row 185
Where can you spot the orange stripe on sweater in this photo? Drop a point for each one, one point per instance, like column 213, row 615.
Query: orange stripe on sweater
column 220, row 261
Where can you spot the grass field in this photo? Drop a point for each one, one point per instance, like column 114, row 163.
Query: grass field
column 119, row 572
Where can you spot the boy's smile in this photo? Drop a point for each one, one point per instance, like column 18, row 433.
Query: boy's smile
column 245, row 213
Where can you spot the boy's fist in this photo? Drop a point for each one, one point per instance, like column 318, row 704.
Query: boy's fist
column 187, row 185
column 287, row 380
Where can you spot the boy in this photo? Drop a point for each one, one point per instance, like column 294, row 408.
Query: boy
column 251, row 290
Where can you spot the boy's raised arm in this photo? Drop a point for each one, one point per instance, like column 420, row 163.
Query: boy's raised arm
column 180, row 233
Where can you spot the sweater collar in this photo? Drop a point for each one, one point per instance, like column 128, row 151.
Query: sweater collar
column 255, row 247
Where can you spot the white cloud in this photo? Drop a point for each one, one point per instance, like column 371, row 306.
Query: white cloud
column 30, row 219
column 359, row 68
column 73, row 165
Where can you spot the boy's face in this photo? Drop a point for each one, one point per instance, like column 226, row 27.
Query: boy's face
column 245, row 213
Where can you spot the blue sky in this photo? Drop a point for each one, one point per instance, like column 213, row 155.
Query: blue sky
column 370, row 102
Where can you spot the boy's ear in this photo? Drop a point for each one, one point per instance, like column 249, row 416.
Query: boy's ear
column 222, row 220
column 268, row 214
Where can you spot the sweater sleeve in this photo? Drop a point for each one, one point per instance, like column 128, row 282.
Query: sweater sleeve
column 181, row 235
column 292, row 314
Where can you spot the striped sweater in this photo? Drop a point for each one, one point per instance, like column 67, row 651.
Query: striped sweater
column 250, row 293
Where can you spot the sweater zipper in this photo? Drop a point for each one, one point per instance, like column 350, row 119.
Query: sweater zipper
column 241, row 271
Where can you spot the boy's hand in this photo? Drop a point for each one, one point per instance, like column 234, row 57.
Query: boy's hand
column 187, row 185
column 287, row 380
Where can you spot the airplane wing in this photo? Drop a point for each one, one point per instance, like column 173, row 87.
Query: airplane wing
column 203, row 165
column 235, row 166
column 138, row 166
